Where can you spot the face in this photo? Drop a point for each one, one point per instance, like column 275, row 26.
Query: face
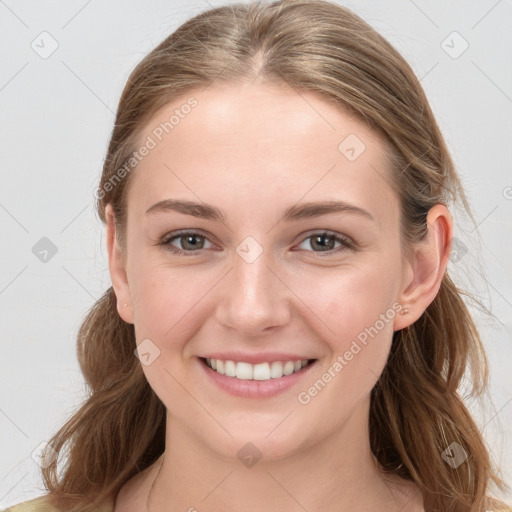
column 256, row 273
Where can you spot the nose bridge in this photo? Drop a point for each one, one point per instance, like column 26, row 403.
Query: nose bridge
column 252, row 281
column 253, row 298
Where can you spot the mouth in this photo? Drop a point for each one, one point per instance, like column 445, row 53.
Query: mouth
column 265, row 371
column 263, row 380
column 255, row 375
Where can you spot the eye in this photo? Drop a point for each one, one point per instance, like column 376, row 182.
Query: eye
column 325, row 242
column 190, row 241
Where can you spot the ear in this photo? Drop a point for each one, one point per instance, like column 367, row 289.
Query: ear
column 426, row 267
column 117, row 267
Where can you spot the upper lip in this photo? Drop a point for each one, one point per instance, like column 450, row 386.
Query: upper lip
column 267, row 357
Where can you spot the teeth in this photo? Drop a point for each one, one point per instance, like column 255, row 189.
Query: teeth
column 229, row 368
column 288, row 367
column 261, row 371
column 276, row 369
column 243, row 370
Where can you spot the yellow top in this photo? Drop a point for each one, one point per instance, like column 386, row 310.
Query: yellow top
column 41, row 504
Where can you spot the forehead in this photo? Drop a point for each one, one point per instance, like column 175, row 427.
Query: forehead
column 258, row 142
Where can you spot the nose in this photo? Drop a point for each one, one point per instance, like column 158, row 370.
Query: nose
column 254, row 300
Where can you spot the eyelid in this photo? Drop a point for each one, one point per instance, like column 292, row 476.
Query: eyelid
column 348, row 242
column 183, row 232
column 166, row 239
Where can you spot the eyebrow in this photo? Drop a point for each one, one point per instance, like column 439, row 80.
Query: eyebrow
column 296, row 212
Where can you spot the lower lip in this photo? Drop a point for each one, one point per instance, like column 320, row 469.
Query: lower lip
column 255, row 388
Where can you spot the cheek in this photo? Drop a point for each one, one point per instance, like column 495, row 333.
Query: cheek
column 358, row 305
column 166, row 298
column 353, row 298
column 168, row 311
column 360, row 312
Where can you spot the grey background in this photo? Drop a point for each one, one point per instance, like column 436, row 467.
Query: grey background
column 58, row 113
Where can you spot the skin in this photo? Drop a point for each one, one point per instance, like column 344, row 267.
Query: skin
column 253, row 150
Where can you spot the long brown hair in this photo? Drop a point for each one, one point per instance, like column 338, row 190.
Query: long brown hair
column 416, row 411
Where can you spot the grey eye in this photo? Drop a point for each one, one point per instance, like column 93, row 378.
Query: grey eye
column 322, row 242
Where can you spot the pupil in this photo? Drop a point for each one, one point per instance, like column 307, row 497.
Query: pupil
column 190, row 240
column 323, row 237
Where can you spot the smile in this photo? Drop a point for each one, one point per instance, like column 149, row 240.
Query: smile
column 262, row 371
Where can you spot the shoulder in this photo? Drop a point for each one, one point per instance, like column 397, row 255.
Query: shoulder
column 40, row 504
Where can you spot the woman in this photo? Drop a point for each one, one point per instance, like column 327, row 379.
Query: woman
column 281, row 332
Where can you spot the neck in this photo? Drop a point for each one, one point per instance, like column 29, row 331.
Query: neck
column 337, row 473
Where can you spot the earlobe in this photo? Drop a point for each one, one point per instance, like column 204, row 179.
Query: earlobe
column 117, row 268
column 427, row 267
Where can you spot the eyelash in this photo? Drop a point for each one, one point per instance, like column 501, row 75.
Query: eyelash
column 347, row 243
